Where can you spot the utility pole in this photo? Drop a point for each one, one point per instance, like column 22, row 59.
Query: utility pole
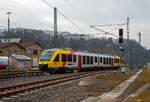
column 55, row 27
column 128, row 44
column 8, row 13
column 140, row 55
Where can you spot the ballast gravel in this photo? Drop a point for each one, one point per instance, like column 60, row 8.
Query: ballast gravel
column 67, row 92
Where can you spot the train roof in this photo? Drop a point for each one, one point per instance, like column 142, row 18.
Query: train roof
column 93, row 54
column 84, row 53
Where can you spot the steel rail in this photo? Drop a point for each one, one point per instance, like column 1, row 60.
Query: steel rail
column 58, row 81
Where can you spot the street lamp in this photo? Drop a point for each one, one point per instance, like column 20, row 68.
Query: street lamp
column 8, row 13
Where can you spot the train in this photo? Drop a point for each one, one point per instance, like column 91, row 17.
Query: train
column 61, row 60
column 3, row 62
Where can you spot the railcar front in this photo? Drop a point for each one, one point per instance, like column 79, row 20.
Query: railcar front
column 53, row 60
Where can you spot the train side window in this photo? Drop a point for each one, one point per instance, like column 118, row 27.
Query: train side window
column 104, row 60
column 63, row 57
column 69, row 58
column 88, row 60
column 109, row 60
column 74, row 58
column 56, row 58
column 84, row 59
column 91, row 60
column 100, row 59
column 95, row 59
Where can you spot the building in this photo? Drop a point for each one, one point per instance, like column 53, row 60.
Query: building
column 33, row 51
column 14, row 48
column 20, row 61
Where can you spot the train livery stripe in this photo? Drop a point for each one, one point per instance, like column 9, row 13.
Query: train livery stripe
column 64, row 64
column 72, row 52
column 3, row 66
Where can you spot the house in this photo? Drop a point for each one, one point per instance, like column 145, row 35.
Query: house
column 20, row 61
column 33, row 51
column 14, row 48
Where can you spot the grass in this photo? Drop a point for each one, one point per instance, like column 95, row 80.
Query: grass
column 109, row 81
column 143, row 79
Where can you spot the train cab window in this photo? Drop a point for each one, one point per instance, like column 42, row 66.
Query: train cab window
column 95, row 59
column 74, row 58
column 56, row 58
column 63, row 57
column 88, row 60
column 69, row 58
column 116, row 61
column 91, row 60
column 84, row 59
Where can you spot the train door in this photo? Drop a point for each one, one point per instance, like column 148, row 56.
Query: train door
column 35, row 62
column 112, row 63
column 79, row 62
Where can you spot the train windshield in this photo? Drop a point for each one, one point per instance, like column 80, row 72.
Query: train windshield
column 46, row 56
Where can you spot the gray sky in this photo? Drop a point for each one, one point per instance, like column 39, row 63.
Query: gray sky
column 36, row 14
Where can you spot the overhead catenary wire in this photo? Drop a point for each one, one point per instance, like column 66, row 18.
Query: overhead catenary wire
column 64, row 16
column 111, row 24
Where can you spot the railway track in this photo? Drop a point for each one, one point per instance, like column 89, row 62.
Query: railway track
column 15, row 74
column 27, row 87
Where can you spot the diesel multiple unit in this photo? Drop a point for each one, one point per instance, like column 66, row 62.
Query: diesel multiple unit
column 62, row 60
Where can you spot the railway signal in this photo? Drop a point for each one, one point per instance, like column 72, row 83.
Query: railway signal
column 120, row 35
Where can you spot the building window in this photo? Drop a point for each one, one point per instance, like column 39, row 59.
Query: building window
column 10, row 52
column 7, row 53
column 35, row 51
column 14, row 52
column 18, row 53
column 40, row 51
column 29, row 51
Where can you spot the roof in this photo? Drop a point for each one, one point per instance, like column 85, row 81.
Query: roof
column 27, row 44
column 21, row 57
column 12, row 40
column 3, row 45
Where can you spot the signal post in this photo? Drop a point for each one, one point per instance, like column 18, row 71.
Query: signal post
column 123, row 69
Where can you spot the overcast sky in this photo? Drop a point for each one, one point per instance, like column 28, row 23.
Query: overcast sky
column 36, row 14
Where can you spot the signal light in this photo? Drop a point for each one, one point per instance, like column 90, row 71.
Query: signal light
column 120, row 35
